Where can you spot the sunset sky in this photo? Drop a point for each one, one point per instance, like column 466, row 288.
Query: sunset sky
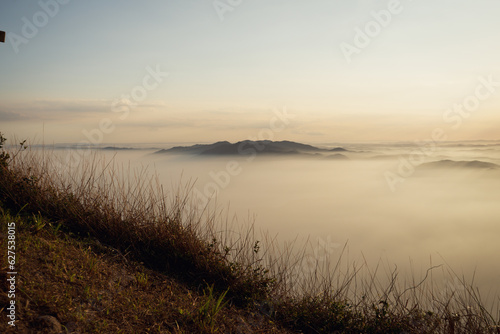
column 68, row 67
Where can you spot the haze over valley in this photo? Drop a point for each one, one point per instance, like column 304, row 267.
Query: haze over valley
column 385, row 204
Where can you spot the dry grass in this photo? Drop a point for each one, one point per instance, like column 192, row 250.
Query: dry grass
column 131, row 212
column 89, row 287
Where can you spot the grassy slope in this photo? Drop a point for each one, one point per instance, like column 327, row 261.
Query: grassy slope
column 89, row 287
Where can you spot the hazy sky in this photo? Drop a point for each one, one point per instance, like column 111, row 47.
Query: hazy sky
column 345, row 70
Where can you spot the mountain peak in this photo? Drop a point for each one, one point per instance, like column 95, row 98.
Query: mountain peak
column 245, row 147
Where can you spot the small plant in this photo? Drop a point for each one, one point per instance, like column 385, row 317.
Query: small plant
column 208, row 311
column 92, row 263
column 4, row 156
column 72, row 278
column 38, row 223
column 142, row 278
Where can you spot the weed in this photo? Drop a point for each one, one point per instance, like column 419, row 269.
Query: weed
column 142, row 278
column 211, row 307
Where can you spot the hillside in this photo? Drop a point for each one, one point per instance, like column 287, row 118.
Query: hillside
column 79, row 285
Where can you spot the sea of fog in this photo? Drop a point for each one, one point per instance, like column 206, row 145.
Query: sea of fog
column 385, row 201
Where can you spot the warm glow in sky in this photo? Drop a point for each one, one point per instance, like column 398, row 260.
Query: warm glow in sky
column 345, row 70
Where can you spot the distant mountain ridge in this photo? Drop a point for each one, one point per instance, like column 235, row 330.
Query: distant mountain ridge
column 284, row 147
column 476, row 164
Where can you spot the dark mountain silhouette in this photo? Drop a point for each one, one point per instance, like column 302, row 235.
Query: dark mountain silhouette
column 337, row 156
column 246, row 147
column 476, row 164
column 338, row 149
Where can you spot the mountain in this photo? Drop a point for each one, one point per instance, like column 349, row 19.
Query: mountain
column 246, row 147
column 195, row 149
column 338, row 149
column 476, row 164
column 337, row 156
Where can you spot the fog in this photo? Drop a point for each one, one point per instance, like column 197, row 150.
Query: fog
column 383, row 202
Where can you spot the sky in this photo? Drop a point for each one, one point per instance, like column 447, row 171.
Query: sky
column 122, row 71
